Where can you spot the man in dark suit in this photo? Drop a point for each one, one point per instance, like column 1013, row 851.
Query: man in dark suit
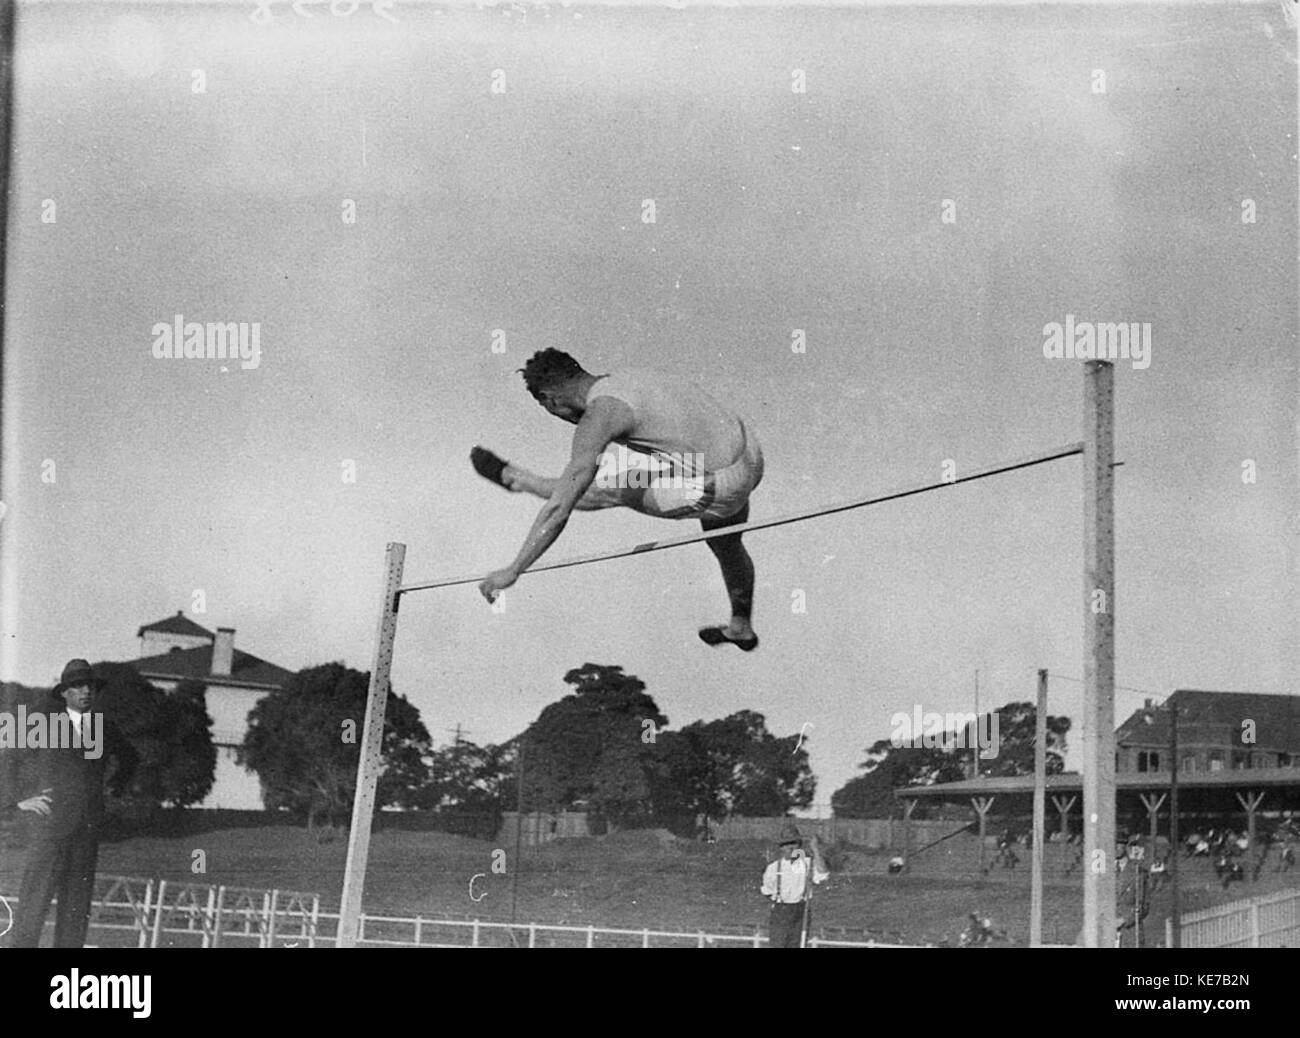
column 61, row 791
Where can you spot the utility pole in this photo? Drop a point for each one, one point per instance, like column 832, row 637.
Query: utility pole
column 519, row 832
column 1040, row 813
column 1175, row 916
column 7, row 18
column 459, row 734
column 1098, row 764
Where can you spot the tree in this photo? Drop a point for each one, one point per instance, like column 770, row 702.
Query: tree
column 775, row 776
column 171, row 732
column 304, row 741
column 733, row 766
column 1016, row 732
column 189, row 773
column 12, row 696
column 675, row 782
column 587, row 748
column 470, row 786
column 888, row 768
column 942, row 759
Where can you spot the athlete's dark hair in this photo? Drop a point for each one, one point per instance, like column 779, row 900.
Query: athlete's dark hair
column 548, row 368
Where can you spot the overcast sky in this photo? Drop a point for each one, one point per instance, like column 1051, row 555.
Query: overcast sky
column 774, row 211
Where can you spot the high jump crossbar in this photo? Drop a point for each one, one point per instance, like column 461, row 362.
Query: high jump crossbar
column 1098, row 450
column 1041, row 458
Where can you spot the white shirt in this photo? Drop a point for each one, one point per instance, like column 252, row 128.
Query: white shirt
column 784, row 880
column 81, row 724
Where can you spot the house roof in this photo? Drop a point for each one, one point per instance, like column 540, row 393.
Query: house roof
column 1203, row 714
column 196, row 663
column 178, row 624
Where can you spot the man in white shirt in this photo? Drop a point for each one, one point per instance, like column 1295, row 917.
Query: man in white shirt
column 706, row 461
column 785, row 884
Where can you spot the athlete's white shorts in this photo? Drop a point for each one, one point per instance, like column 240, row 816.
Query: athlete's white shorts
column 717, row 495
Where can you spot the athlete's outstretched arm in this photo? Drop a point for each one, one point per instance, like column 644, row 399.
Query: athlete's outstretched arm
column 604, row 419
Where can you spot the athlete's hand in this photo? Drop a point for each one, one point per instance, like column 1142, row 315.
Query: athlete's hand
column 494, row 583
column 40, row 804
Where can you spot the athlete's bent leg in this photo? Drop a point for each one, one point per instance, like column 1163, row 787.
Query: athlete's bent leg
column 594, row 498
column 737, row 574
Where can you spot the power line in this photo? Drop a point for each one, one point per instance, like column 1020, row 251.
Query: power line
column 1051, row 674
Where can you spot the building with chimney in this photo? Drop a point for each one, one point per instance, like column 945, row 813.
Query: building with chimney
column 178, row 649
column 1217, row 731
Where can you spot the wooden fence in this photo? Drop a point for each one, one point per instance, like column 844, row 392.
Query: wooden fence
column 1270, row 921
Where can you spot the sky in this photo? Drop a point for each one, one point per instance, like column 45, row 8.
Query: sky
column 191, row 159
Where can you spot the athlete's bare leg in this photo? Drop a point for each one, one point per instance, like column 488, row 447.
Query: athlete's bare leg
column 737, row 567
column 594, row 498
column 737, row 574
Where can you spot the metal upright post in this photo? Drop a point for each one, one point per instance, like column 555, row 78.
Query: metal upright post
column 8, row 15
column 1098, row 657
column 369, row 766
column 1175, row 912
column 1040, row 815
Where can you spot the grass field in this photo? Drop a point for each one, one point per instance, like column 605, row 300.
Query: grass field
column 628, row 879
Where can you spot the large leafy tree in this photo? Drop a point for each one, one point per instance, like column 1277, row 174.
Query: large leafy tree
column 304, row 743
column 888, row 768
column 469, row 786
column 188, row 773
column 589, row 748
column 1016, row 722
column 733, row 766
column 170, row 731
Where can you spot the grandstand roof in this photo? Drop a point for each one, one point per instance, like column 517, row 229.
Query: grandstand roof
column 1198, row 791
column 1072, row 782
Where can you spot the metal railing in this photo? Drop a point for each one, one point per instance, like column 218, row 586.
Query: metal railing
column 418, row 932
column 164, row 913
column 147, row 913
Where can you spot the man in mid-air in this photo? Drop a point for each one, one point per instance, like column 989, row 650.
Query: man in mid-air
column 706, row 463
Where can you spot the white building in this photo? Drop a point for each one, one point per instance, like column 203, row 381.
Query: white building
column 177, row 649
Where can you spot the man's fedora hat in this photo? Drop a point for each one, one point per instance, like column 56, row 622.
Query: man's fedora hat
column 789, row 834
column 77, row 672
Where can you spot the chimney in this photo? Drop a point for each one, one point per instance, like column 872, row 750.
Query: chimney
column 223, row 652
column 1147, row 704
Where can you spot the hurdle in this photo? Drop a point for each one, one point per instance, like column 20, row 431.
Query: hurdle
column 1097, row 450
